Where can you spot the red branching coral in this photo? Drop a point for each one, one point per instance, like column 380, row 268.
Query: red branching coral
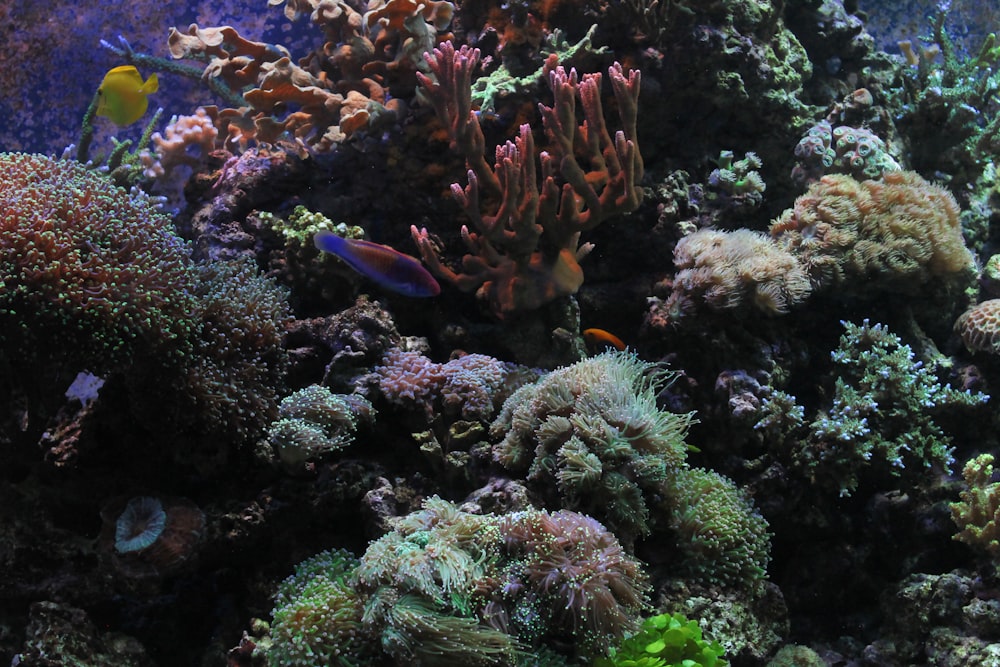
column 526, row 252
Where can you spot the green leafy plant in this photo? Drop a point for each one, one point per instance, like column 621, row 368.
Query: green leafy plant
column 667, row 640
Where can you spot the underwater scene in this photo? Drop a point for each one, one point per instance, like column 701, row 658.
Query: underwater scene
column 500, row 333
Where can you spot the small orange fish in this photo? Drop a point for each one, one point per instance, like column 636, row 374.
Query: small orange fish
column 123, row 95
column 597, row 338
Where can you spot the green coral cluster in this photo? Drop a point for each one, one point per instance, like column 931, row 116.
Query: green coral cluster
column 446, row 587
column 317, row 616
column 882, row 413
column 721, row 538
column 977, row 514
column 592, row 434
column 666, row 640
column 314, row 421
column 591, row 438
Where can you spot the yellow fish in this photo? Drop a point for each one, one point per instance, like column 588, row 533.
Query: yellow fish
column 123, row 95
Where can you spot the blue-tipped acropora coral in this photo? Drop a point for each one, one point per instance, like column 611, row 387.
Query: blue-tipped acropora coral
column 591, row 438
column 882, row 417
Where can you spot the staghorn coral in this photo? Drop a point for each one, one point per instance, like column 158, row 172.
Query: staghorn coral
column 314, row 421
column 591, row 438
column 526, row 251
column 737, row 271
column 897, row 233
column 979, row 327
column 882, row 413
column 977, row 514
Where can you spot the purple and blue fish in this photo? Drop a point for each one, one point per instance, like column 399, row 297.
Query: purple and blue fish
column 386, row 266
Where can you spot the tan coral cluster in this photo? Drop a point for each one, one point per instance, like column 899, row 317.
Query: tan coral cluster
column 173, row 147
column 735, row 270
column 979, row 327
column 331, row 93
column 900, row 230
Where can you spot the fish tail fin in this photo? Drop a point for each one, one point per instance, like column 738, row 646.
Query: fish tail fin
column 152, row 84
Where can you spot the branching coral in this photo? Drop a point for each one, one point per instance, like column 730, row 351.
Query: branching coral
column 978, row 513
column 900, row 232
column 734, row 271
column 882, row 414
column 591, row 438
column 526, row 252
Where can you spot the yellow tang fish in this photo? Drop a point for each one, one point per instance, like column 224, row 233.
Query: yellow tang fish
column 123, row 95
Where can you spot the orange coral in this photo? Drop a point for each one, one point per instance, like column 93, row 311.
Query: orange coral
column 979, row 327
column 900, row 230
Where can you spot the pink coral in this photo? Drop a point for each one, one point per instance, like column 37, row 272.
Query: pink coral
column 525, row 252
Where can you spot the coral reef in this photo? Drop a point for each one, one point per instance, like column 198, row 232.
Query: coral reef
column 314, row 421
column 739, row 271
column 591, row 438
column 977, row 512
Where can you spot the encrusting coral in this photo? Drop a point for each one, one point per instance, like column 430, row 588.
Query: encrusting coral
column 899, row 232
column 526, row 251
